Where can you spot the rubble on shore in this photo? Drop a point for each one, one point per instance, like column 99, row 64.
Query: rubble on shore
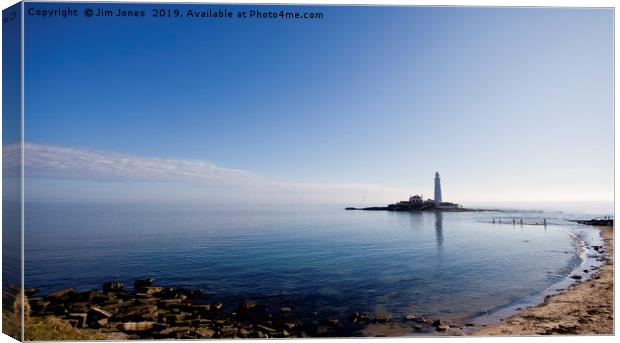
column 147, row 311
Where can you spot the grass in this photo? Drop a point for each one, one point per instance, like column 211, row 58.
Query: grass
column 52, row 329
column 47, row 328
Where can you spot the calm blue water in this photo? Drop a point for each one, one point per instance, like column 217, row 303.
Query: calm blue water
column 436, row 264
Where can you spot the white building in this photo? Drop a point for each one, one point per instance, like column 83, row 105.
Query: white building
column 437, row 189
column 438, row 201
column 416, row 200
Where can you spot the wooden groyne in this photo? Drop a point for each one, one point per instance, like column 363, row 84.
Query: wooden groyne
column 519, row 221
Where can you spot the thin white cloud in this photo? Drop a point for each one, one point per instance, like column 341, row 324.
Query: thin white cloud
column 52, row 161
column 59, row 162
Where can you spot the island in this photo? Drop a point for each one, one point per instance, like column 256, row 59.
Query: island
column 417, row 203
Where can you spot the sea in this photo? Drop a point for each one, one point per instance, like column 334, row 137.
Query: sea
column 452, row 265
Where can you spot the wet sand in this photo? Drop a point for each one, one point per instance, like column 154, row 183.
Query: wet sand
column 586, row 308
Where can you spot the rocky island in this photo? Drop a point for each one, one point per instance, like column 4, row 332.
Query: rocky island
column 417, row 203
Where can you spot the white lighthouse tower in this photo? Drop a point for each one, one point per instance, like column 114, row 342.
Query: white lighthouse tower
column 437, row 189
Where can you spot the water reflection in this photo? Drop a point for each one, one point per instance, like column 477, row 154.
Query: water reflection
column 439, row 229
column 416, row 220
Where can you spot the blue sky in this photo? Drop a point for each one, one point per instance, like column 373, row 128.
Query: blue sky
column 366, row 104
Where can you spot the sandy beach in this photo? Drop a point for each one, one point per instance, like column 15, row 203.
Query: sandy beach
column 586, row 308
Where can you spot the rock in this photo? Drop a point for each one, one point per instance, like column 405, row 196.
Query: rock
column 174, row 318
column 63, row 292
column 39, row 306
column 201, row 322
column 99, row 299
column 112, row 327
column 99, row 323
column 182, row 293
column 440, row 325
column 174, row 309
column 168, row 293
column 190, row 335
column 247, row 305
column 383, row 317
column 322, row 330
column 410, row 317
column 34, row 299
column 116, row 336
column 137, row 326
column 150, row 290
column 160, row 326
column 29, row 292
column 174, row 331
column 576, row 277
column 148, row 300
column 228, row 331
column 166, row 303
column 333, row 321
column 266, row 329
column 359, row 317
column 205, row 332
column 95, row 314
column 131, row 313
column 115, row 286
column 289, row 325
column 150, row 317
column 140, row 283
column 243, row 332
column 218, row 306
column 86, row 296
column 57, row 309
column 79, row 307
column 80, row 317
column 183, row 323
column 285, row 310
column 196, row 293
column 123, row 295
column 443, row 327
column 201, row 307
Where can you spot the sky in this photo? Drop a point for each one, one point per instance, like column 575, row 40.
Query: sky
column 360, row 107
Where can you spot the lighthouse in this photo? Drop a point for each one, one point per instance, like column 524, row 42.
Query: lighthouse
column 437, row 189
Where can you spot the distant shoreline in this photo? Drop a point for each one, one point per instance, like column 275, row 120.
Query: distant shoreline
column 385, row 208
